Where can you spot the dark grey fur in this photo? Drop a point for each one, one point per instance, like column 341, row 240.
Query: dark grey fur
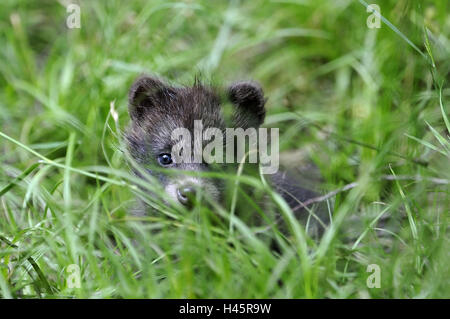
column 156, row 109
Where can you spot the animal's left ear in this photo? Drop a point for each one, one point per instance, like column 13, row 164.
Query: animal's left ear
column 248, row 99
column 147, row 92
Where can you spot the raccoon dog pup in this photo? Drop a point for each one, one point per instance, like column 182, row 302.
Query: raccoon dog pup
column 157, row 109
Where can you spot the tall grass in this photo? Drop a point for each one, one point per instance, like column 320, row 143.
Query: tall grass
column 368, row 106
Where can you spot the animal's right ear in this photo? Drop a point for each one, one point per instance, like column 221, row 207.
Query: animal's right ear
column 145, row 93
column 248, row 99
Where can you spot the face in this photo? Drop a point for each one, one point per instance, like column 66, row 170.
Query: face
column 157, row 110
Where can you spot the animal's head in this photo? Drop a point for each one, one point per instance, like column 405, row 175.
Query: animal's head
column 158, row 109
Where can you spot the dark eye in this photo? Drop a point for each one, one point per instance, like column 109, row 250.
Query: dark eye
column 165, row 159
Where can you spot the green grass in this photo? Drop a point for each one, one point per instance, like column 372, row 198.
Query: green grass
column 368, row 106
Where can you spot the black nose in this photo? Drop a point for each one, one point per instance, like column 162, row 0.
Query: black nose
column 186, row 195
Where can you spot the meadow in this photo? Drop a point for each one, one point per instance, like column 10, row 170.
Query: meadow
column 368, row 106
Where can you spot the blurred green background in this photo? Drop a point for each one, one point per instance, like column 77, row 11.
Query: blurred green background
column 366, row 105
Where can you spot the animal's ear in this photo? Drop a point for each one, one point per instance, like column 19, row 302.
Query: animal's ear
column 248, row 99
column 146, row 92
